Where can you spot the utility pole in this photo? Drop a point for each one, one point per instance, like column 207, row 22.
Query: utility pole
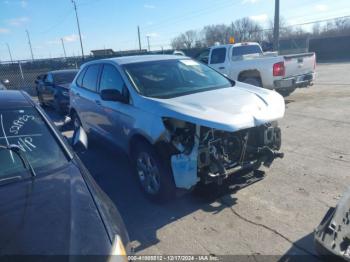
column 30, row 45
column 139, row 36
column 64, row 49
column 81, row 41
column 8, row 48
column 276, row 27
column 149, row 47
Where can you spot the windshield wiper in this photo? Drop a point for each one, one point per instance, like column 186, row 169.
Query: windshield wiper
column 17, row 150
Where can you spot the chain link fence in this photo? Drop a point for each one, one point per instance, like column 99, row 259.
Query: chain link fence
column 21, row 75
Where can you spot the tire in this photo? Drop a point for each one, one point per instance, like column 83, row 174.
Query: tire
column 76, row 122
column 57, row 107
column 153, row 172
column 40, row 98
column 286, row 92
column 253, row 81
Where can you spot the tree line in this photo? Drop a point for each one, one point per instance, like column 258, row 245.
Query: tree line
column 245, row 29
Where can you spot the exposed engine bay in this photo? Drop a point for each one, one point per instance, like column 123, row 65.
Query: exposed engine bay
column 213, row 155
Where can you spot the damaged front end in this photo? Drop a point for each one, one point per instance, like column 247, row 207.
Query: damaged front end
column 209, row 155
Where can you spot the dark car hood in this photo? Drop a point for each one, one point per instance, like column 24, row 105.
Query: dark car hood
column 53, row 214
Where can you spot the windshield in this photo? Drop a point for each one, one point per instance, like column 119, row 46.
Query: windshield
column 26, row 129
column 246, row 50
column 172, row 78
column 64, row 78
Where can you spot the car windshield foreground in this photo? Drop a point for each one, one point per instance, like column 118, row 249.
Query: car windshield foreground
column 26, row 129
column 173, row 78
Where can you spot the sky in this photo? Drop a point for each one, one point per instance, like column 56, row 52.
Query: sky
column 113, row 23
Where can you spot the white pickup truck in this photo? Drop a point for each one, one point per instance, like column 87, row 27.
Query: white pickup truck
column 246, row 62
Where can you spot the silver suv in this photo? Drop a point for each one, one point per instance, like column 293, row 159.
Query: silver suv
column 180, row 121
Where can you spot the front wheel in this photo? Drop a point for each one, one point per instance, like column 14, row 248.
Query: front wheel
column 57, row 106
column 76, row 121
column 153, row 172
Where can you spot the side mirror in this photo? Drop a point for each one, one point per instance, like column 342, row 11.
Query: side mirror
column 80, row 140
column 113, row 95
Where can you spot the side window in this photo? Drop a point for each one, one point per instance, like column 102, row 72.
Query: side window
column 218, row 56
column 111, row 79
column 90, row 77
column 79, row 81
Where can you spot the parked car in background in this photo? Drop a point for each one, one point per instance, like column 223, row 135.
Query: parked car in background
column 49, row 203
column 180, row 121
column 2, row 87
column 332, row 236
column 53, row 89
column 4, row 84
column 246, row 62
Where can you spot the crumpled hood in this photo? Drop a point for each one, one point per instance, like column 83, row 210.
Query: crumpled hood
column 51, row 215
column 229, row 109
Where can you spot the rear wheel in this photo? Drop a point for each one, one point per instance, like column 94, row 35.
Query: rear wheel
column 153, row 172
column 253, row 81
column 285, row 92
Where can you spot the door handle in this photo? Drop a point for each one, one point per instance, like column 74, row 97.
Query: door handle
column 222, row 67
column 98, row 102
column 77, row 94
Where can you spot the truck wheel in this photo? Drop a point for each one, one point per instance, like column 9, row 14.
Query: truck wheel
column 153, row 172
column 253, row 81
column 286, row 92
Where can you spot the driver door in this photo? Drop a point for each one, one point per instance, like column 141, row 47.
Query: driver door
column 217, row 60
column 118, row 114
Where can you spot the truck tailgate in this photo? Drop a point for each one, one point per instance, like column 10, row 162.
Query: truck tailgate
column 299, row 64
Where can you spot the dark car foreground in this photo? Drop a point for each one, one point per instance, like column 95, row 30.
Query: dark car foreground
column 49, row 203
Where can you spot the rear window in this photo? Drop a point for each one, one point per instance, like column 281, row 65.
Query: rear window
column 246, row 50
column 64, row 78
column 26, row 129
column 218, row 56
column 90, row 78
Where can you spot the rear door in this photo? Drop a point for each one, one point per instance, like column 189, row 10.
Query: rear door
column 88, row 100
column 47, row 88
column 218, row 59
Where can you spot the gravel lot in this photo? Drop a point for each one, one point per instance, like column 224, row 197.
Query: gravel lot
column 274, row 216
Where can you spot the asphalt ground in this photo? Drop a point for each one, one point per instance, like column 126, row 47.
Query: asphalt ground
column 271, row 213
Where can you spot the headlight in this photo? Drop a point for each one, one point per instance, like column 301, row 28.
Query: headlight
column 65, row 93
column 118, row 252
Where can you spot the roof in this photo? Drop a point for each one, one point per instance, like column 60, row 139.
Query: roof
column 143, row 58
column 64, row 71
column 237, row 44
column 13, row 99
